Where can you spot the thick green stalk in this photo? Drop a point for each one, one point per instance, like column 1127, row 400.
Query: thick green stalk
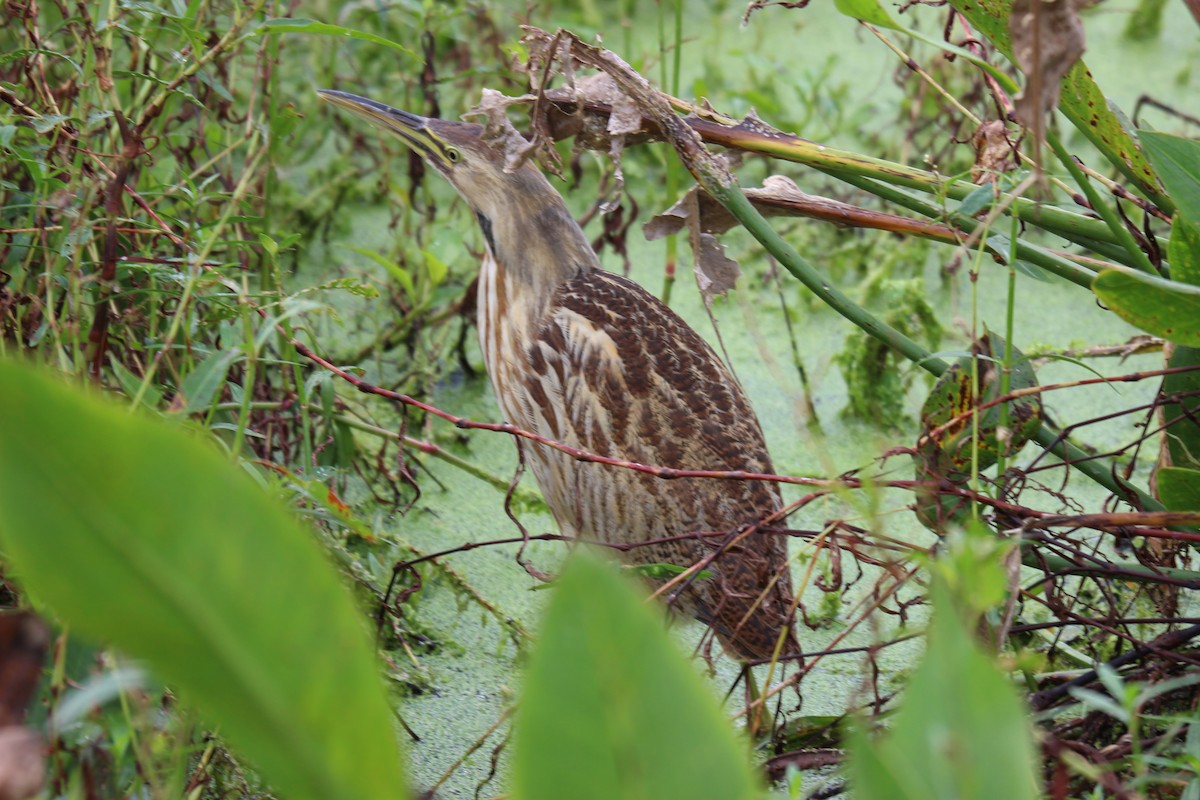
column 1114, row 223
column 844, row 162
column 1038, row 558
column 1064, row 268
column 733, row 199
column 730, row 196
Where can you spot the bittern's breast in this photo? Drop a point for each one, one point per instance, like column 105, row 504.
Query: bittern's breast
column 605, row 367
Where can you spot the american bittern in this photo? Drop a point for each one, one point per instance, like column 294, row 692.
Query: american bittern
column 590, row 359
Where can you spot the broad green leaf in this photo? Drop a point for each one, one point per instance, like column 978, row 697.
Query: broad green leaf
column 1164, row 308
column 980, row 199
column 961, row 732
column 875, row 774
column 1081, row 100
column 1181, row 407
column 612, row 710
column 206, row 379
column 1183, row 251
column 1177, row 161
column 140, row 534
column 1179, row 488
column 392, row 268
column 281, row 25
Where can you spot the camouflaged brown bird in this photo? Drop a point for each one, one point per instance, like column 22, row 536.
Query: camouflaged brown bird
column 590, row 359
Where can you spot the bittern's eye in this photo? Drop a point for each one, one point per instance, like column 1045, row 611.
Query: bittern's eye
column 453, row 154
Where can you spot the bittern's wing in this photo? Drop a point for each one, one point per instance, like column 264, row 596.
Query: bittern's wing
column 622, row 375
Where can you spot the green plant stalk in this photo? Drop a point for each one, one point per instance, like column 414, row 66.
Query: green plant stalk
column 243, row 421
column 975, row 386
column 670, row 165
column 1062, row 267
column 194, row 272
column 1037, row 558
column 834, row 161
column 730, row 196
column 1009, row 330
column 1122, row 234
column 733, row 199
column 302, row 395
column 1099, row 470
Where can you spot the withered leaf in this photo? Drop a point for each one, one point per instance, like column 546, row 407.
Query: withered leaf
column 1047, row 40
column 716, row 273
column 994, row 152
column 779, row 196
column 498, row 130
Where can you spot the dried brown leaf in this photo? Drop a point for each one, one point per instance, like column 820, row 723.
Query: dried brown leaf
column 994, row 152
column 1047, row 40
column 672, row 220
column 779, row 196
column 716, row 273
column 498, row 130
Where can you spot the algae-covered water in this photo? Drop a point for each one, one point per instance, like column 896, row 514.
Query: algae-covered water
column 473, row 674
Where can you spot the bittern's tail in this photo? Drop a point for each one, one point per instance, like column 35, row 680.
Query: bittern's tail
column 750, row 605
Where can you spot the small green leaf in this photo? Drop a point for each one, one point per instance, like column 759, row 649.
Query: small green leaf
column 980, row 199
column 395, row 270
column 1177, row 161
column 131, row 384
column 206, row 379
column 144, row 536
column 663, row 572
column 280, row 25
column 268, row 244
column 1179, row 488
column 961, row 731
column 867, row 11
column 611, row 709
column 1164, row 308
column 436, row 268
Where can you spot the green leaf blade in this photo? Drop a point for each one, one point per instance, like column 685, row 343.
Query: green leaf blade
column 1179, row 488
column 1164, row 308
column 612, row 710
column 1177, row 161
column 286, row 25
column 141, row 535
column 961, row 732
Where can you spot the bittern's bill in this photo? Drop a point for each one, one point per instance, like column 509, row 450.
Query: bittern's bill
column 592, row 360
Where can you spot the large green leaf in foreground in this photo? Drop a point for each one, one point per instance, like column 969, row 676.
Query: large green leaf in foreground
column 612, row 710
column 961, row 734
column 137, row 533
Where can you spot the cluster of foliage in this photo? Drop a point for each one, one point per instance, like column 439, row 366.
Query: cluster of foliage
column 164, row 190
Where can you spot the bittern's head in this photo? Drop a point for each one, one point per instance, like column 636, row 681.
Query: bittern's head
column 524, row 219
column 456, row 149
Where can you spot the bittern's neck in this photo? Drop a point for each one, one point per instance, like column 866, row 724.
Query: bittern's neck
column 534, row 238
